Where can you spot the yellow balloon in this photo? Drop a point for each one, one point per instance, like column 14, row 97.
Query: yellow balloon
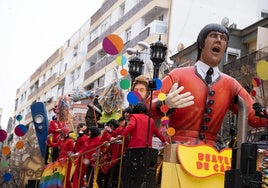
column 161, row 96
column 262, row 69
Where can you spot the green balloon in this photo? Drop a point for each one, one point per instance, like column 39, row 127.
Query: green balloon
column 4, row 164
column 124, row 84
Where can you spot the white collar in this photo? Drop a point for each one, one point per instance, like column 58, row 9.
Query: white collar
column 202, row 68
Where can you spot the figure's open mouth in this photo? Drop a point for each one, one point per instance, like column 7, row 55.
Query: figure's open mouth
column 216, row 49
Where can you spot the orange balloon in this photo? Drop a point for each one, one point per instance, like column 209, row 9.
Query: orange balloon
column 20, row 144
column 170, row 131
column 123, row 72
column 5, row 150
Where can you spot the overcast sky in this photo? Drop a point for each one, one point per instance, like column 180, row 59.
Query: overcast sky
column 31, row 31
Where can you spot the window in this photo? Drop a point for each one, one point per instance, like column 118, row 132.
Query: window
column 77, row 73
column 161, row 18
column 122, row 10
column 71, row 77
column 232, row 54
column 128, row 34
column 264, row 14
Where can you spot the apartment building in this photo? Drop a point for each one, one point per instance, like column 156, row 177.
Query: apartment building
column 81, row 63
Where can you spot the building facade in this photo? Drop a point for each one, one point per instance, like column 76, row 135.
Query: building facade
column 81, row 63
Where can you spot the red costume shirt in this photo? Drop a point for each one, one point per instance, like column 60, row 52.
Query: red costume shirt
column 138, row 128
column 187, row 121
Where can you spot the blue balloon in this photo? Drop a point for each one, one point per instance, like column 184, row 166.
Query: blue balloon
column 158, row 83
column 7, row 177
column 133, row 97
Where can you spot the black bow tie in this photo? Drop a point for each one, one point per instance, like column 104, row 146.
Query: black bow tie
column 208, row 76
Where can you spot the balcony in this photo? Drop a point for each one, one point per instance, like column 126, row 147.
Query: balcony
column 157, row 27
column 245, row 66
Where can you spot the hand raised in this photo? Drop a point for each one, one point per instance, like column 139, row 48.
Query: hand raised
column 176, row 100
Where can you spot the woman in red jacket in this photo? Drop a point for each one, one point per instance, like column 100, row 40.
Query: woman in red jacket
column 80, row 147
column 92, row 152
column 66, row 146
column 138, row 127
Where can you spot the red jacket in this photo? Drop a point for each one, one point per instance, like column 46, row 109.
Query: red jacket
column 187, row 121
column 118, row 131
column 138, row 128
column 92, row 149
column 54, row 129
column 81, row 144
column 65, row 145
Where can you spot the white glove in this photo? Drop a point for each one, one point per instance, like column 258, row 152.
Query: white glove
column 176, row 100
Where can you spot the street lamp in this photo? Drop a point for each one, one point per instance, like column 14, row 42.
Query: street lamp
column 158, row 55
column 135, row 67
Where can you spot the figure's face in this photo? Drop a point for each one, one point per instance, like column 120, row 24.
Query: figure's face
column 214, row 48
column 141, row 89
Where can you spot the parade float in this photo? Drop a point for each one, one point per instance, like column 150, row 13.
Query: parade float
column 243, row 164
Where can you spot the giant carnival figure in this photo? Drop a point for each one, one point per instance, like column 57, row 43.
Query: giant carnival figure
column 198, row 98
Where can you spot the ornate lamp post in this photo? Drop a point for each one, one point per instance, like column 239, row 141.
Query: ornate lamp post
column 135, row 67
column 158, row 55
column 147, row 154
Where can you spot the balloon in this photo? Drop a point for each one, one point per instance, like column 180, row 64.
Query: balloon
column 161, row 96
column 3, row 135
column 112, row 44
column 164, row 108
column 133, row 97
column 5, row 150
column 253, row 93
column 7, row 177
column 20, row 130
column 165, row 120
column 256, row 82
column 123, row 72
column 124, row 84
column 4, row 164
column 121, row 60
column 170, row 131
column 158, row 83
column 262, row 69
column 19, row 117
column 20, row 144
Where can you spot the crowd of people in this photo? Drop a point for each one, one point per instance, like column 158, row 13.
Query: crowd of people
column 100, row 147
